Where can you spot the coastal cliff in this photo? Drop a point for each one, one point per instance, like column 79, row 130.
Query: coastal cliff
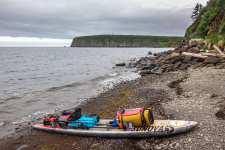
column 209, row 24
column 126, row 41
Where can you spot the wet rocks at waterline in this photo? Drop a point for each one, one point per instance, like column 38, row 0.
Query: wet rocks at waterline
column 182, row 58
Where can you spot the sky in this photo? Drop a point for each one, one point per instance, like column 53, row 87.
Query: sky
column 57, row 22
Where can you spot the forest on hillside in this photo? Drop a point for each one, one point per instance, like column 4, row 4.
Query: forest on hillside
column 126, row 41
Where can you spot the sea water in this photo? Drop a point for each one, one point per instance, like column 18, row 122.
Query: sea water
column 37, row 81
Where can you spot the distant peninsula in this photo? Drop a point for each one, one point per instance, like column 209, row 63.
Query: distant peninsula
column 126, row 41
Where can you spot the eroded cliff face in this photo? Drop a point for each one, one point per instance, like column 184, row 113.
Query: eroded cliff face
column 125, row 41
column 95, row 43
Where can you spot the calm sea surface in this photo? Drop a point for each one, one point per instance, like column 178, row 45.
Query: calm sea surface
column 35, row 82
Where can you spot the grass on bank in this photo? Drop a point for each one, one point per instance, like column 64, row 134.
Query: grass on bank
column 210, row 23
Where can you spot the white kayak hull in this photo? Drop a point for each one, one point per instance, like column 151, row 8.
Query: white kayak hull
column 159, row 128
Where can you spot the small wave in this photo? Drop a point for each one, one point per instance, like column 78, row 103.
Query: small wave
column 109, row 83
column 114, row 74
column 12, row 96
column 34, row 78
column 97, row 78
column 4, row 112
column 120, row 79
column 24, row 119
column 45, row 112
column 34, row 116
column 51, row 103
column 11, row 71
column 52, row 89
column 30, row 102
column 37, row 113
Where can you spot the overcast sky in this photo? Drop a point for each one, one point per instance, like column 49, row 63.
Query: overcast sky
column 39, row 22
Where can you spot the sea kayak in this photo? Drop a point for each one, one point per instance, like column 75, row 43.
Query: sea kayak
column 102, row 129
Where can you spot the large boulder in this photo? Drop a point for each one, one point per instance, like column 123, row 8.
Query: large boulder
column 143, row 62
column 178, row 64
column 121, row 64
column 222, row 60
column 157, row 71
column 150, row 53
column 168, row 67
column 201, row 64
column 185, row 48
column 187, row 59
column 145, row 68
column 173, row 61
column 170, row 57
column 211, row 60
column 209, row 65
column 199, row 42
column 164, row 67
column 184, row 67
column 194, row 50
column 145, row 72
column 222, row 66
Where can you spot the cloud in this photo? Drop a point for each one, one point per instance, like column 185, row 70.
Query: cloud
column 67, row 19
column 33, row 41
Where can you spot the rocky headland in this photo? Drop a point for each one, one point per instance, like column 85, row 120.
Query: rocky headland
column 125, row 41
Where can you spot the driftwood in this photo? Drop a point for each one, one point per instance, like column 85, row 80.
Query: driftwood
column 213, row 54
column 216, row 48
column 211, row 51
column 194, row 55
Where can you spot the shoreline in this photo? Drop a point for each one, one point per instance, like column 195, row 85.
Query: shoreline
column 171, row 95
column 121, row 92
column 30, row 101
column 164, row 101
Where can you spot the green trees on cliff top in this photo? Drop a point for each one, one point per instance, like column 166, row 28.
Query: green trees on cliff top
column 125, row 41
column 209, row 22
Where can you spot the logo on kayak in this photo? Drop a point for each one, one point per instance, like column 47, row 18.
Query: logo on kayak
column 167, row 129
column 177, row 123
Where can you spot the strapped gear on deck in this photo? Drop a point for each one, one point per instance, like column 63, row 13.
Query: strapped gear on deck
column 75, row 115
column 141, row 117
column 73, row 119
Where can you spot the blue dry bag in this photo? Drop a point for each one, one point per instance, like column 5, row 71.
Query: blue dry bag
column 83, row 122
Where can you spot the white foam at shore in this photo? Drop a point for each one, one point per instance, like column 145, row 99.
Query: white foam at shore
column 109, row 83
column 45, row 112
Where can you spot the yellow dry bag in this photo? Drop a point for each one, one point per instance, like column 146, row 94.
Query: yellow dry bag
column 139, row 116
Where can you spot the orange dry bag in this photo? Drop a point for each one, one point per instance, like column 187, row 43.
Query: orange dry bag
column 139, row 116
